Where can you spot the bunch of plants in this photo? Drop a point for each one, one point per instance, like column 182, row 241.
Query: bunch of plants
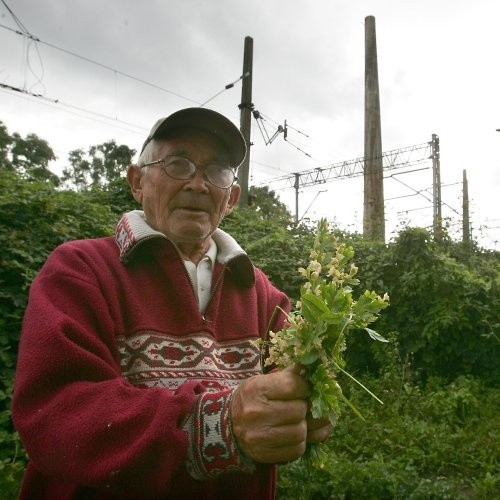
column 315, row 334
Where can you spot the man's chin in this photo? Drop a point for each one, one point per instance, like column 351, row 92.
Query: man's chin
column 190, row 233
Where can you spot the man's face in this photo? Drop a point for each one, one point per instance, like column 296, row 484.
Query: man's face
column 186, row 211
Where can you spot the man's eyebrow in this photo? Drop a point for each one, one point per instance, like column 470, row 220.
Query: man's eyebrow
column 222, row 158
column 179, row 152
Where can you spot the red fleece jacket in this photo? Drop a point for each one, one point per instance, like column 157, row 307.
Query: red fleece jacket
column 121, row 381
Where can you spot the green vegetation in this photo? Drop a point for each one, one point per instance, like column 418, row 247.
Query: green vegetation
column 433, row 442
column 437, row 434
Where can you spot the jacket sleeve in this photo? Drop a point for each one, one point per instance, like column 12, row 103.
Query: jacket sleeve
column 78, row 418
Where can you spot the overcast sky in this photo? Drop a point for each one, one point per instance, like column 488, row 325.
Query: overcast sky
column 438, row 74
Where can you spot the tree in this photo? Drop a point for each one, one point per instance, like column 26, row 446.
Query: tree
column 5, row 142
column 267, row 204
column 97, row 167
column 29, row 156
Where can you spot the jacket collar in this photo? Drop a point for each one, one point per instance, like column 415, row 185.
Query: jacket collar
column 133, row 231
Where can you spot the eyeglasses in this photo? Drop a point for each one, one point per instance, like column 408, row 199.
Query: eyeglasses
column 181, row 168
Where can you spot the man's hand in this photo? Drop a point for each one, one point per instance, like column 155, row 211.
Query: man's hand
column 269, row 417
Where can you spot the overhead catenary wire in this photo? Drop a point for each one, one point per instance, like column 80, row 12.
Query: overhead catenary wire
column 56, row 102
column 104, row 66
column 30, row 41
column 260, row 119
column 226, row 87
column 16, row 19
column 24, row 32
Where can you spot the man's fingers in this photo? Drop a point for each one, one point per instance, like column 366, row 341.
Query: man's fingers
column 268, row 415
column 318, row 430
column 285, row 385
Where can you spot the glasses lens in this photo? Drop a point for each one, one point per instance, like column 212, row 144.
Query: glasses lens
column 219, row 175
column 182, row 168
column 179, row 167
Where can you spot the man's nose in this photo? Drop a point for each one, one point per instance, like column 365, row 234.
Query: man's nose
column 199, row 181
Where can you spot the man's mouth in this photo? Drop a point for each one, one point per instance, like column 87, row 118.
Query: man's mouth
column 194, row 205
column 193, row 209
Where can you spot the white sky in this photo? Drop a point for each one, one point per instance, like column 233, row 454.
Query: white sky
column 438, row 74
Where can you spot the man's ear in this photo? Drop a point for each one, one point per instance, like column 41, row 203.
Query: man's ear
column 134, row 174
column 234, row 196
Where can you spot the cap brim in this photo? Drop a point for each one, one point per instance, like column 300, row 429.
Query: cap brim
column 207, row 120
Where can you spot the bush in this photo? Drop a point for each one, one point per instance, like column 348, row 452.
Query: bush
column 425, row 442
column 443, row 310
column 34, row 219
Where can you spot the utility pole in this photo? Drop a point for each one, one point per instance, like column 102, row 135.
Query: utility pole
column 373, row 212
column 436, row 189
column 296, row 186
column 246, row 107
column 465, row 213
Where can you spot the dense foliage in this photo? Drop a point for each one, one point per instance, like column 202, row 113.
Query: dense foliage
column 436, row 434
column 444, row 309
column 34, row 218
column 438, row 441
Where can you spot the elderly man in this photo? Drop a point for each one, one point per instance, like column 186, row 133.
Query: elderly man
column 138, row 372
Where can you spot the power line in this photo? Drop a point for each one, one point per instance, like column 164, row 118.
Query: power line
column 16, row 19
column 412, row 189
column 25, row 33
column 414, row 209
column 96, row 63
column 226, row 87
column 56, row 102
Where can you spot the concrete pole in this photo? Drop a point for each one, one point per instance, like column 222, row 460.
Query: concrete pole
column 437, row 219
column 465, row 212
column 246, row 107
column 296, row 186
column 373, row 211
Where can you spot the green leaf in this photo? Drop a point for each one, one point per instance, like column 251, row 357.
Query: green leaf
column 375, row 336
column 313, row 307
column 308, row 358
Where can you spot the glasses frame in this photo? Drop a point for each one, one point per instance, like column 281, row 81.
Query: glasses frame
column 196, row 167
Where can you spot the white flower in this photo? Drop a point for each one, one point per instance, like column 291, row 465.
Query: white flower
column 314, row 266
column 302, row 271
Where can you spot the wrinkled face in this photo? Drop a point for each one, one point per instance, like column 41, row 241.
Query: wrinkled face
column 186, row 211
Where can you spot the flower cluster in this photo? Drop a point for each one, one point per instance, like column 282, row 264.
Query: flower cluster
column 315, row 336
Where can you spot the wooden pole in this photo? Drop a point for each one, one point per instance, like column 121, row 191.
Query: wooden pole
column 373, row 209
column 246, row 107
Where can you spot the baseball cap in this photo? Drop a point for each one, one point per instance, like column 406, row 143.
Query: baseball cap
column 209, row 121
